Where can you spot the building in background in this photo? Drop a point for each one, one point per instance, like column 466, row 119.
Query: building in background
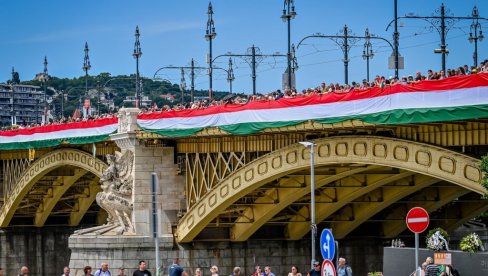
column 25, row 101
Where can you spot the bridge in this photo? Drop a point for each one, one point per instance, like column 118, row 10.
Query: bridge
column 235, row 173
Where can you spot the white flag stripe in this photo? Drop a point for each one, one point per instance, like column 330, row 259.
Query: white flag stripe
column 416, row 220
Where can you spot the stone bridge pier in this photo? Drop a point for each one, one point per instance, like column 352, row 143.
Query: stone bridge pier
column 105, row 244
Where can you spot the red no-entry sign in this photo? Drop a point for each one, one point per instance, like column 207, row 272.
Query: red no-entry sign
column 417, row 220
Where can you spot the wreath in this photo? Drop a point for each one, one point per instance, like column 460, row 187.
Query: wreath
column 471, row 243
column 437, row 239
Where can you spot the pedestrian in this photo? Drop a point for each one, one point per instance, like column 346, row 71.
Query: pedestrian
column 1, row 271
column 87, row 271
column 121, row 272
column 294, row 271
column 343, row 269
column 236, row 271
column 214, row 270
column 267, row 271
column 431, row 269
column 66, row 271
column 24, row 271
column 258, row 271
column 176, row 270
column 316, row 271
column 103, row 271
column 198, row 272
column 142, row 271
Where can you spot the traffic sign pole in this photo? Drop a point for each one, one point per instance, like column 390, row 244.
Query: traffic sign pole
column 417, row 221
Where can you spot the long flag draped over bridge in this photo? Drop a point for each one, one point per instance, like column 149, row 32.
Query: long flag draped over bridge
column 454, row 98
column 53, row 135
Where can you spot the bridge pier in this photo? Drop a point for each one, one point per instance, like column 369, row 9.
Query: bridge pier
column 91, row 247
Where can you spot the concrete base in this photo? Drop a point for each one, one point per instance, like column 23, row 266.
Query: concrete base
column 401, row 261
column 117, row 251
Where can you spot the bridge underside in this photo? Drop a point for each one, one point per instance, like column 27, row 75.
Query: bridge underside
column 364, row 187
column 352, row 199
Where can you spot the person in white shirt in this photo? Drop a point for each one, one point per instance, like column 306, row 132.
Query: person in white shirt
column 66, row 271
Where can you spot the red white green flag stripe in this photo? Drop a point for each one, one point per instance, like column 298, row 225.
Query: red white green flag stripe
column 455, row 98
column 53, row 135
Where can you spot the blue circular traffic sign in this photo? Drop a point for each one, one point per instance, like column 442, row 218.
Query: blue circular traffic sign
column 327, row 244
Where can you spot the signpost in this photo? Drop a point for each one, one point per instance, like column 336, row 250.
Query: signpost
column 327, row 244
column 328, row 268
column 417, row 221
column 327, row 248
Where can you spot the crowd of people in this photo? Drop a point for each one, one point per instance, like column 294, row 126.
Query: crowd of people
column 177, row 270
column 379, row 81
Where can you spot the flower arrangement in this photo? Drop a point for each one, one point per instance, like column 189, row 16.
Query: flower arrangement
column 437, row 239
column 471, row 243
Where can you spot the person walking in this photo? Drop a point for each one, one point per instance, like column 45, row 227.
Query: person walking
column 236, row 271
column 343, row 269
column 103, row 271
column 66, row 271
column 267, row 271
column 214, row 270
column 316, row 271
column 431, row 269
column 121, row 272
column 258, row 271
column 294, row 271
column 142, row 271
column 176, row 270
column 24, row 271
column 87, row 271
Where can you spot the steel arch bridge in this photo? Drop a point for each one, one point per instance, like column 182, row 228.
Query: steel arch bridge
column 358, row 179
column 40, row 189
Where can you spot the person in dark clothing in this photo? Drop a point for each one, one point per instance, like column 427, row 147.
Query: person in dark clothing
column 142, row 271
column 316, row 271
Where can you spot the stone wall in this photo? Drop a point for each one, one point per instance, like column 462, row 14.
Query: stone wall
column 43, row 250
column 362, row 254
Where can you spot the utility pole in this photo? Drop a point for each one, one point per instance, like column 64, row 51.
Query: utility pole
column 396, row 40
column 443, row 24
column 137, row 54
column 289, row 14
column 98, row 103
column 255, row 56
column 192, row 76
column 345, row 41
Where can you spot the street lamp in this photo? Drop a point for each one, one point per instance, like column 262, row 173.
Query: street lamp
column 183, row 85
column 44, row 82
column 137, row 54
column 289, row 14
column 478, row 35
column 86, row 67
column 210, row 34
column 313, row 226
column 230, row 75
column 367, row 51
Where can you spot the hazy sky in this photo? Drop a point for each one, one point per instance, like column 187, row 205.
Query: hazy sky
column 172, row 33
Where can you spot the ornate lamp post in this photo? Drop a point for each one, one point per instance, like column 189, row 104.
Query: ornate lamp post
column 367, row 51
column 137, row 54
column 86, row 67
column 475, row 34
column 45, row 77
column 288, row 14
column 210, row 34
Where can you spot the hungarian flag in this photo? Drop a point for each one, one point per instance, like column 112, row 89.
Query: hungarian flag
column 454, row 98
column 53, row 135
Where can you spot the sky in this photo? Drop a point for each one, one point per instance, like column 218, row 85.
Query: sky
column 172, row 33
